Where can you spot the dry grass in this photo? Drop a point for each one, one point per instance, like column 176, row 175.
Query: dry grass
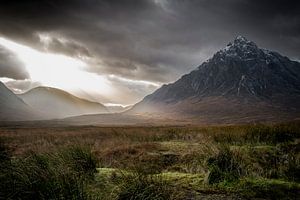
column 222, row 154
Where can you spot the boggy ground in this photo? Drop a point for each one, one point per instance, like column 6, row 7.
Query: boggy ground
column 185, row 162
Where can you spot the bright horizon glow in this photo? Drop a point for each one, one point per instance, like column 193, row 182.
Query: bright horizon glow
column 141, row 82
column 59, row 71
column 116, row 104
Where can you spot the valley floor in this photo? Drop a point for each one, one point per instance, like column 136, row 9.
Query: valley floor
column 165, row 162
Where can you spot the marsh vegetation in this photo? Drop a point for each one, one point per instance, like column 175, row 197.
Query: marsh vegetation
column 186, row 162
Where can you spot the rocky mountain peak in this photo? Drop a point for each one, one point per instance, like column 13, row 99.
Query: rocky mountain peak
column 240, row 70
column 242, row 43
column 241, row 48
column 239, row 82
column 241, row 40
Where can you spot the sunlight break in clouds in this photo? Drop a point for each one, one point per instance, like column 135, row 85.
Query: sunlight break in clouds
column 58, row 71
column 68, row 73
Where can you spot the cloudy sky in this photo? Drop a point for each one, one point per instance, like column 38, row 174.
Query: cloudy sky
column 118, row 51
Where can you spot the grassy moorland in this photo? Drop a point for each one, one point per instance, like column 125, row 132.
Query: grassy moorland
column 87, row 162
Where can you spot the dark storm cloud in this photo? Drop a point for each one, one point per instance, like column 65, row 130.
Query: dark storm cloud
column 11, row 66
column 148, row 39
column 70, row 48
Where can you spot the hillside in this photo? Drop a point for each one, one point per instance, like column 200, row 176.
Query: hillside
column 57, row 103
column 12, row 108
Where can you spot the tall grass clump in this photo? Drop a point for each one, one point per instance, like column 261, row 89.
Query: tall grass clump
column 4, row 152
column 80, row 160
column 59, row 175
column 223, row 167
column 280, row 162
column 140, row 186
column 141, row 182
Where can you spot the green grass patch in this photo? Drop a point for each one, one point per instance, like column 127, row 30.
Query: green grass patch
column 268, row 188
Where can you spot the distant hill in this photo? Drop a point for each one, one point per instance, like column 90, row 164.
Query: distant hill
column 56, row 103
column 118, row 109
column 12, row 108
column 240, row 83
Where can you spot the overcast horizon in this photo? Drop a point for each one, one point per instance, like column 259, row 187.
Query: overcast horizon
column 117, row 52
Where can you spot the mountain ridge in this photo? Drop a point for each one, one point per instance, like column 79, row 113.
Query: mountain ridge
column 62, row 92
column 57, row 103
column 241, row 74
column 13, row 108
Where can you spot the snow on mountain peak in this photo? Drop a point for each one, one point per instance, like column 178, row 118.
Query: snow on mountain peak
column 240, row 47
column 241, row 39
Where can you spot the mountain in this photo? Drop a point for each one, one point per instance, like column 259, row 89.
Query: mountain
column 57, row 103
column 240, row 83
column 12, row 108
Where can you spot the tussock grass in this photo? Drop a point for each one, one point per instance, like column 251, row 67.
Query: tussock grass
column 60, row 175
column 140, row 186
column 224, row 167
